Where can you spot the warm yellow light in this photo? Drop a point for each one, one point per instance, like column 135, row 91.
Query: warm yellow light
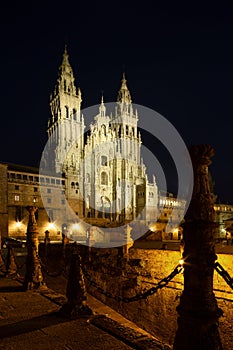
column 181, row 262
column 76, row 226
column 18, row 224
column 51, row 226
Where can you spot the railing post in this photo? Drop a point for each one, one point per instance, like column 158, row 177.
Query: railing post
column 33, row 276
column 76, row 289
column 198, row 310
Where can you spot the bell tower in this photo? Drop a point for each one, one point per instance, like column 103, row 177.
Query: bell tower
column 66, row 124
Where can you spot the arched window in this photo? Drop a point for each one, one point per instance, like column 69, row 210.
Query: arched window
column 88, row 178
column 67, row 112
column 104, row 160
column 104, row 178
column 72, row 184
column 103, row 127
column 74, row 114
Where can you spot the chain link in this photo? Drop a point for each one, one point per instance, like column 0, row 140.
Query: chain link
column 52, row 274
column 178, row 269
column 225, row 275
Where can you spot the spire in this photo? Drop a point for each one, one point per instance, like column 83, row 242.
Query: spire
column 102, row 108
column 123, row 93
column 65, row 60
column 65, row 66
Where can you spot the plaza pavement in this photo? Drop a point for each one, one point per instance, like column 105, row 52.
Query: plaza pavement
column 31, row 320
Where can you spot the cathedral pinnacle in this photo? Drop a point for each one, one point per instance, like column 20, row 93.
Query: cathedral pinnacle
column 123, row 93
column 65, row 60
column 102, row 107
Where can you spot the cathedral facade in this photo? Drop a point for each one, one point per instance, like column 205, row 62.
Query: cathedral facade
column 105, row 174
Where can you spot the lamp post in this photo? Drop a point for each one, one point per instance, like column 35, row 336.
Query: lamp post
column 198, row 310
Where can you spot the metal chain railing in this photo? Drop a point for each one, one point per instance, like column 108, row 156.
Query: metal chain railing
column 225, row 275
column 162, row 283
column 63, row 269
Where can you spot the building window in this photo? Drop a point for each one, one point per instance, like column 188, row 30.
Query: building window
column 35, row 199
column 104, row 178
column 35, row 189
column 72, row 184
column 103, row 127
column 41, row 179
column 58, row 182
column 62, row 201
column 67, row 112
column 62, row 191
column 48, row 190
column 52, row 181
column 30, row 178
column 104, row 160
column 36, row 178
column 16, row 187
column 16, row 198
column 48, row 200
column 47, row 180
column 19, row 176
column 25, row 177
column 74, row 114
column 88, row 178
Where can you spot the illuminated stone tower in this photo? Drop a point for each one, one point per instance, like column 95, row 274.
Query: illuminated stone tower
column 115, row 180
column 66, row 125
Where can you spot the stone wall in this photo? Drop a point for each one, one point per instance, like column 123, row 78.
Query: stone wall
column 144, row 269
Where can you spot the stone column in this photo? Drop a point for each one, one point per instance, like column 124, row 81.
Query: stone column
column 198, row 310
column 76, row 292
column 33, row 276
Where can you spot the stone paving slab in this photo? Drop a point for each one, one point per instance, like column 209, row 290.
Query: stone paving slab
column 30, row 320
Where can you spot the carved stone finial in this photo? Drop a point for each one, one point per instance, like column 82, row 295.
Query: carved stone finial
column 201, row 205
column 32, row 224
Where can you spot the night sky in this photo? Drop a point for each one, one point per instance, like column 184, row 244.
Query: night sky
column 178, row 61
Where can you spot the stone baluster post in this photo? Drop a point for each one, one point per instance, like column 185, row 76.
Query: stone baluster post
column 33, row 276
column 76, row 289
column 198, row 310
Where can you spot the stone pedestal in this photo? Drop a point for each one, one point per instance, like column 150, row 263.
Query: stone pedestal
column 198, row 310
